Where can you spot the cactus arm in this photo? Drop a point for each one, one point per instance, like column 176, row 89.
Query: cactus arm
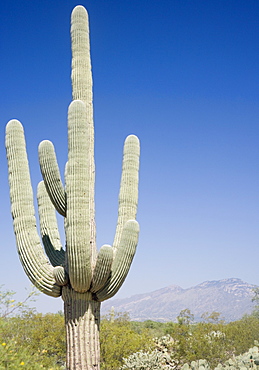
column 60, row 275
column 102, row 268
column 51, row 176
column 78, row 224
column 49, row 228
column 128, row 196
column 127, row 230
column 31, row 254
column 82, row 87
column 122, row 261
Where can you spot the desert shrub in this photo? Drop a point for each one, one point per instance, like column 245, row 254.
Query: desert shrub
column 13, row 357
column 118, row 340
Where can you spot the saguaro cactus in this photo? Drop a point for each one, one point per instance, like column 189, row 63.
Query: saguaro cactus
column 79, row 273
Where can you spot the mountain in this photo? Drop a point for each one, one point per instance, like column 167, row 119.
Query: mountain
column 231, row 297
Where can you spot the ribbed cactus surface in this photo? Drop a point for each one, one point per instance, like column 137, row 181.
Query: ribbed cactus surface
column 79, row 273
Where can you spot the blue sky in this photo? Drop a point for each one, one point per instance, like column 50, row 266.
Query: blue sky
column 183, row 76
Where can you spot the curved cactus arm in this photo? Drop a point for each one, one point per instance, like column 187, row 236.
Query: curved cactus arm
column 60, row 275
column 80, row 246
column 102, row 268
column 31, row 254
column 128, row 197
column 122, row 261
column 49, row 228
column 51, row 176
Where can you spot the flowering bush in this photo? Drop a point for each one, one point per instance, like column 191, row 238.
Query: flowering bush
column 13, row 357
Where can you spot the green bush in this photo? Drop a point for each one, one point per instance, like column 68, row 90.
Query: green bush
column 14, row 357
column 38, row 337
column 118, row 340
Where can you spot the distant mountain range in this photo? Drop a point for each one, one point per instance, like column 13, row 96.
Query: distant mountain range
column 231, row 297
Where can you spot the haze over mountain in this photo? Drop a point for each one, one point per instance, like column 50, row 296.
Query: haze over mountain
column 231, row 297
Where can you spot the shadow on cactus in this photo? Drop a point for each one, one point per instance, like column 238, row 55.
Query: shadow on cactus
column 81, row 275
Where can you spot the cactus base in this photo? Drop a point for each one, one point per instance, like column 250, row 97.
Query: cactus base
column 82, row 319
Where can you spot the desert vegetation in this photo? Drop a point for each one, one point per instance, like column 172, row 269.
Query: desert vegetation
column 31, row 340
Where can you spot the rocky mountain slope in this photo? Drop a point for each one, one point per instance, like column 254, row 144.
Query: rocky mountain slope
column 231, row 297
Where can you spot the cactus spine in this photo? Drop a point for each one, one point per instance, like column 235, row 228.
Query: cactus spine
column 81, row 275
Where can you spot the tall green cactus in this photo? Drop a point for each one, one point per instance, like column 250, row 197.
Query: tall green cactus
column 81, row 275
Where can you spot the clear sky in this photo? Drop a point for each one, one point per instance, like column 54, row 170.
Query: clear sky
column 183, row 76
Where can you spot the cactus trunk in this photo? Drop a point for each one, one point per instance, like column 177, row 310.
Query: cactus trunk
column 82, row 319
